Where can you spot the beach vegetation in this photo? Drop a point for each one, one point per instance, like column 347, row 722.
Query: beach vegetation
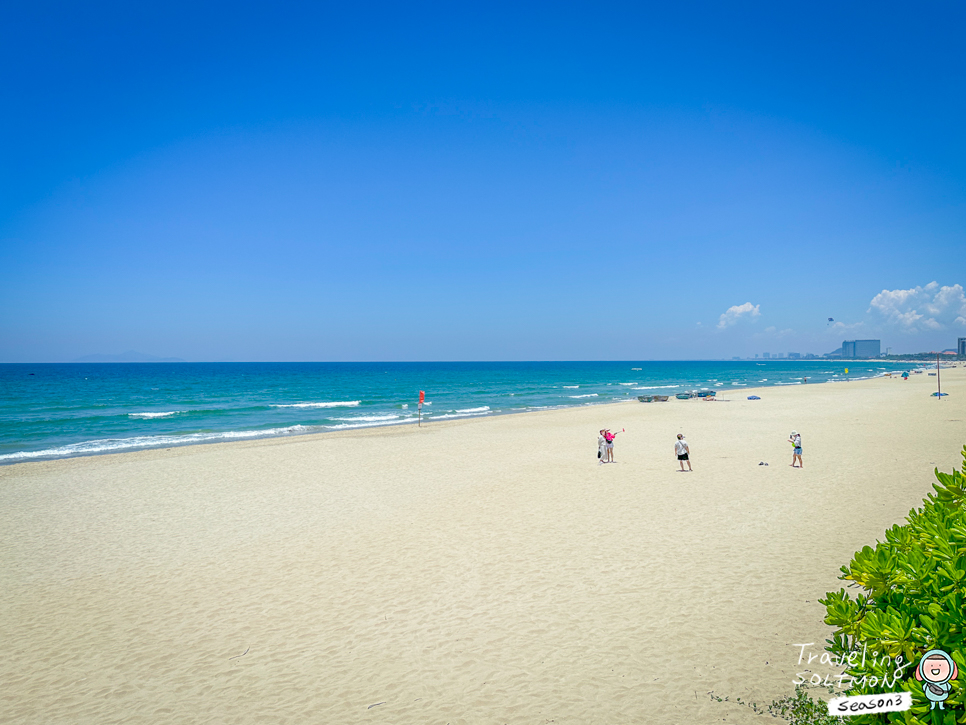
column 797, row 709
column 911, row 599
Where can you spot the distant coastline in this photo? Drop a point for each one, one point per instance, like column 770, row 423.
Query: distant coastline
column 131, row 356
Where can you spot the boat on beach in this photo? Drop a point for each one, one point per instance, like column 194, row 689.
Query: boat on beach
column 661, row 398
column 683, row 396
column 646, row 398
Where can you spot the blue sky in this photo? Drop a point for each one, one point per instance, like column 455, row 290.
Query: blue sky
column 480, row 182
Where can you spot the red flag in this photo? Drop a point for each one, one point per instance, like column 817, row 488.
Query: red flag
column 422, row 396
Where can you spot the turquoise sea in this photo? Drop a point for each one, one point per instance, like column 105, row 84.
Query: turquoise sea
column 61, row 410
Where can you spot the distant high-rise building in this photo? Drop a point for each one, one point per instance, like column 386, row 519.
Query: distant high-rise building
column 766, row 355
column 794, row 356
column 861, row 348
column 961, row 347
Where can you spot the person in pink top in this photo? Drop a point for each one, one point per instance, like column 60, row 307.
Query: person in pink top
column 609, row 437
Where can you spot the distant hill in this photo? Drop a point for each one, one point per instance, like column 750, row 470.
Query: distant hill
column 130, row 356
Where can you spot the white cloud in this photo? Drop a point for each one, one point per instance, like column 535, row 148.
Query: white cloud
column 736, row 312
column 922, row 308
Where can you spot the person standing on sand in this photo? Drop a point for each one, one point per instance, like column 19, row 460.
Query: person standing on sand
column 796, row 440
column 682, row 451
column 601, row 448
column 610, row 444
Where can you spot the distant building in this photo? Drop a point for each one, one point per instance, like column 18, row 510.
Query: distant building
column 861, row 348
column 766, row 355
column 781, row 354
column 794, row 356
column 961, row 347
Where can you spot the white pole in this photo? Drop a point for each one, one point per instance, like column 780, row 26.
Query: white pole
column 939, row 383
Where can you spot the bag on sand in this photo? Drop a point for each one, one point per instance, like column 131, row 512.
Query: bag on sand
column 598, row 452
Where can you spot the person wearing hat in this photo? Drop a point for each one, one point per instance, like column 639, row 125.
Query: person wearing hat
column 609, row 438
column 796, row 440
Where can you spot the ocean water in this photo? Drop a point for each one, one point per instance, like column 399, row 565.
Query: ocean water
column 61, row 410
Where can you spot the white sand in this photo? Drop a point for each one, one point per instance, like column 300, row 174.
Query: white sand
column 484, row 571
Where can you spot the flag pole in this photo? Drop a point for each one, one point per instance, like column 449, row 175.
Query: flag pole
column 939, row 382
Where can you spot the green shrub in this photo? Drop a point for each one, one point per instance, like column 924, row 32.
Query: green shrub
column 801, row 709
column 913, row 600
column 797, row 709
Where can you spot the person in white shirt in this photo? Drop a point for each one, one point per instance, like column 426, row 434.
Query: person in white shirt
column 601, row 448
column 796, row 440
column 682, row 451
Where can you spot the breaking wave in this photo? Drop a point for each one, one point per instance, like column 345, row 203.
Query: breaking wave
column 335, row 404
column 107, row 445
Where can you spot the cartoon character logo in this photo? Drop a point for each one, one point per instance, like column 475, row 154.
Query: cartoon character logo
column 935, row 670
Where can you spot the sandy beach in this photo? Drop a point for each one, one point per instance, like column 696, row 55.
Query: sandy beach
column 480, row 571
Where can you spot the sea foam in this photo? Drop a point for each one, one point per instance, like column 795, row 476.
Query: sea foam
column 368, row 424
column 334, row 404
column 149, row 416
column 370, row 418
column 455, row 415
column 106, row 445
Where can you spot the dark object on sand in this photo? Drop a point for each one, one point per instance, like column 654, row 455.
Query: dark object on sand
column 762, row 463
column 753, row 397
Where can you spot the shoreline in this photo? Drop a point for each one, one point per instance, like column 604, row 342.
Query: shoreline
column 254, row 435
